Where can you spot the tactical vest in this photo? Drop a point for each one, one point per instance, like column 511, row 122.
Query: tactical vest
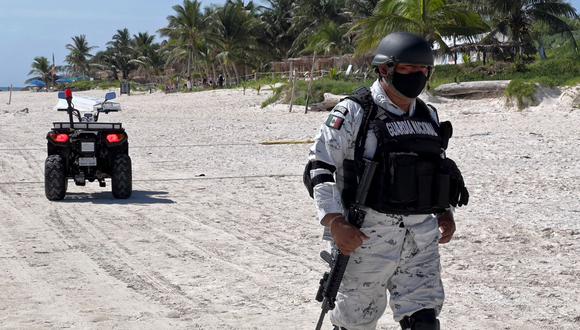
column 410, row 178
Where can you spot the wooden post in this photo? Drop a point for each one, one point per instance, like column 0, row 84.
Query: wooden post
column 292, row 93
column 10, row 95
column 310, row 82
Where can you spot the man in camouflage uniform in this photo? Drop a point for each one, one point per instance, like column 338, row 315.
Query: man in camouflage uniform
column 394, row 251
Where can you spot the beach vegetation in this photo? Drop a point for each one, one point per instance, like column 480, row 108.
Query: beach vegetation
column 79, row 56
column 434, row 20
column 248, row 41
column 186, row 31
column 149, row 57
column 121, row 48
column 320, row 19
column 522, row 91
column 519, row 19
column 41, row 69
column 555, row 71
column 275, row 97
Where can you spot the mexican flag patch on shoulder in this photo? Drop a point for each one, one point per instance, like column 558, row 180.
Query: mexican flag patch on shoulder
column 334, row 121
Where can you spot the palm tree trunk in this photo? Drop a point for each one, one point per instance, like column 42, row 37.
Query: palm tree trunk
column 236, row 73
column 208, row 69
column 226, row 71
column 189, row 56
column 213, row 71
column 455, row 50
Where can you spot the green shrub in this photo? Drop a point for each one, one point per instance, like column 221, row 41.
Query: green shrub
column 82, row 85
column 466, row 58
column 276, row 94
column 258, row 84
column 319, row 87
column 334, row 74
column 523, row 91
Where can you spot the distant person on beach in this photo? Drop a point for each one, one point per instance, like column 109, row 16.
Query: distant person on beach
column 221, row 80
column 408, row 209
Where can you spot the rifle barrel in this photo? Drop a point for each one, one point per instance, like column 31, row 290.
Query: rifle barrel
column 322, row 314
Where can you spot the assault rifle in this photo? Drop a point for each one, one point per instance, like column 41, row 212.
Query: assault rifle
column 330, row 281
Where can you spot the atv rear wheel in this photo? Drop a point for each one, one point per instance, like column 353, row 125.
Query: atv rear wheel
column 55, row 181
column 121, row 177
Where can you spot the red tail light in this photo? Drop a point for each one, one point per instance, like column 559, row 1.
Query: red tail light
column 59, row 138
column 115, row 138
column 68, row 93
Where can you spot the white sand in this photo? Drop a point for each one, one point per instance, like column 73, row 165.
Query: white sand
column 238, row 248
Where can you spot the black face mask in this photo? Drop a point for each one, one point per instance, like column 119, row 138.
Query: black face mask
column 410, row 84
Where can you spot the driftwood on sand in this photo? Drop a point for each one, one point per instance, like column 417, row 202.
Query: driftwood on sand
column 330, row 100
column 463, row 90
column 472, row 89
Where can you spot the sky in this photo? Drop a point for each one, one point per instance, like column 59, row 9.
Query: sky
column 31, row 28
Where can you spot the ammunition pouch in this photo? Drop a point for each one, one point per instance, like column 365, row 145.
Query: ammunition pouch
column 411, row 184
column 350, row 182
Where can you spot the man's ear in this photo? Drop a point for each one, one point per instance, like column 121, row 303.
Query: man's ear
column 384, row 70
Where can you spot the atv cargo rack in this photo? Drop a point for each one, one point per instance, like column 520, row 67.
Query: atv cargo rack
column 88, row 126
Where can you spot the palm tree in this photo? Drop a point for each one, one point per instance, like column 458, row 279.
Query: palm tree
column 122, row 52
column 330, row 39
column 546, row 39
column 149, row 55
column 310, row 15
column 143, row 43
column 233, row 30
column 185, row 28
column 41, row 69
column 361, row 8
column 275, row 36
column 79, row 56
column 433, row 19
column 516, row 19
column 105, row 62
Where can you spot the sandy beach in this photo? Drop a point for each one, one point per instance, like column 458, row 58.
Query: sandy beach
column 221, row 234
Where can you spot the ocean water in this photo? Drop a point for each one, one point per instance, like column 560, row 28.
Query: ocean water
column 5, row 89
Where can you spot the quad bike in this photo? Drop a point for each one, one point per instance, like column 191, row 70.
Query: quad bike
column 87, row 150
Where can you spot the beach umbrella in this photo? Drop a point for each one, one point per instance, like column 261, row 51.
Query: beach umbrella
column 36, row 83
column 64, row 81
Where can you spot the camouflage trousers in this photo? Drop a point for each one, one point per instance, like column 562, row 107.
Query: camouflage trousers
column 401, row 257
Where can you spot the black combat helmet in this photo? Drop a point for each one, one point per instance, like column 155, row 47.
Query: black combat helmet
column 403, row 47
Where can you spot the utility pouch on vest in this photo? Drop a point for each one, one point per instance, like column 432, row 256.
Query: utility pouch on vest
column 443, row 186
column 403, row 178
column 425, row 184
column 416, row 184
column 350, row 182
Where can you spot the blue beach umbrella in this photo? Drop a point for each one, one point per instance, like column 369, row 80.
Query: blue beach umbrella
column 64, row 81
column 36, row 83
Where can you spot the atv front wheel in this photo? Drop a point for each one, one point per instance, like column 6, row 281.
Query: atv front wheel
column 121, row 178
column 55, row 181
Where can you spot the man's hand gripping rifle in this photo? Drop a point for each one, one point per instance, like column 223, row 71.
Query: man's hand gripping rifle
column 330, row 281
